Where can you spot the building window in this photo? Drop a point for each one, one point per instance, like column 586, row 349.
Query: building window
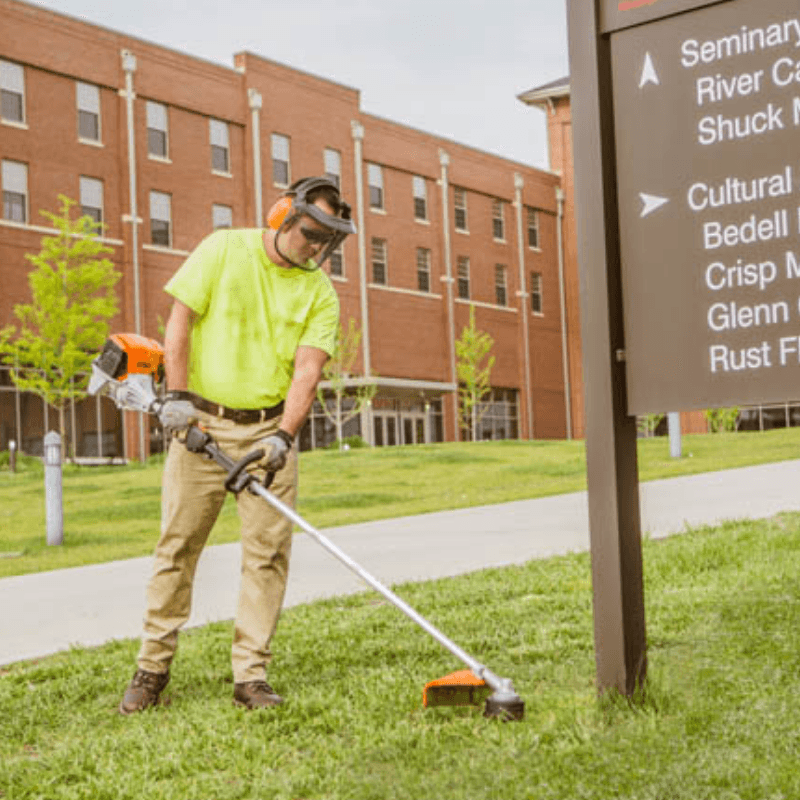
column 498, row 221
column 420, row 198
column 423, row 269
column 375, row 181
column 221, row 216
column 161, row 219
column 498, row 416
column 533, row 228
column 12, row 92
column 15, row 191
column 460, row 208
column 336, row 261
column 536, row 292
column 500, row 287
column 92, row 198
column 280, row 160
column 157, row 141
column 333, row 166
column 319, row 431
column 379, row 261
column 88, row 112
column 463, row 277
column 220, row 147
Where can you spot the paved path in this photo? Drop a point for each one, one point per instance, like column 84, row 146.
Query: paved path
column 46, row 612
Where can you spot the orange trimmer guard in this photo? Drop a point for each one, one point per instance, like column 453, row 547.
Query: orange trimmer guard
column 460, row 688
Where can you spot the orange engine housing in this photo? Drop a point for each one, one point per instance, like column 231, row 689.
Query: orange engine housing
column 129, row 353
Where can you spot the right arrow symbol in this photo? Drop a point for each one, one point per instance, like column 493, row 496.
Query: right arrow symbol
column 649, row 74
column 651, row 203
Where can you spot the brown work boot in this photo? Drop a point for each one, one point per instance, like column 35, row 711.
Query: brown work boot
column 255, row 694
column 143, row 691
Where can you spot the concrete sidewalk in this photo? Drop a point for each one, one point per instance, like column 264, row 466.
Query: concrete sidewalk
column 46, row 612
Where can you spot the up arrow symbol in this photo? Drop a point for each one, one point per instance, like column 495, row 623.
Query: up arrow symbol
column 651, row 203
column 649, row 74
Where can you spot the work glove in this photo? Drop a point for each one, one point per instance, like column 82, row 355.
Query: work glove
column 276, row 450
column 176, row 415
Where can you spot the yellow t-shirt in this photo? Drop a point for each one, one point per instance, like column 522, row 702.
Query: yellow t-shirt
column 252, row 315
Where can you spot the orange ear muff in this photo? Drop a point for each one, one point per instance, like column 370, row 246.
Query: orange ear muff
column 278, row 212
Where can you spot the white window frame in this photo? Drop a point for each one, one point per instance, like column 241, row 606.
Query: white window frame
column 16, row 184
column 332, row 162
column 91, row 196
column 501, row 284
column 532, row 226
column 156, row 199
column 419, row 191
column 498, row 220
column 220, row 140
column 462, row 277
column 460, row 205
column 423, row 268
column 281, row 149
column 339, row 253
column 375, row 182
column 537, row 293
column 158, row 114
column 87, row 100
column 12, row 81
column 380, row 248
column 221, row 216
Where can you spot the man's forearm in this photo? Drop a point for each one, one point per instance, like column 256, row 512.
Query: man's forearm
column 298, row 403
column 176, row 350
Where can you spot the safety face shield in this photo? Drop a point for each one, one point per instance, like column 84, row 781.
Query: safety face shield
column 336, row 229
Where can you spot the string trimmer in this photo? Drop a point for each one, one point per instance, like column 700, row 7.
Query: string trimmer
column 125, row 371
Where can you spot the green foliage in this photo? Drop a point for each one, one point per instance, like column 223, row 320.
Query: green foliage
column 23, row 463
column 348, row 443
column 722, row 419
column 57, row 334
column 473, row 369
column 338, row 371
column 647, row 423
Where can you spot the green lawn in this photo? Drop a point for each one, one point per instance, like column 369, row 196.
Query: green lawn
column 719, row 719
column 113, row 512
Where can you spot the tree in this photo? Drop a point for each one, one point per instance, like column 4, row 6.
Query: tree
column 65, row 325
column 648, row 423
column 721, row 420
column 472, row 347
column 338, row 372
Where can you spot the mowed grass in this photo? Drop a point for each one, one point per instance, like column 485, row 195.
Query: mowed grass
column 717, row 719
column 113, row 512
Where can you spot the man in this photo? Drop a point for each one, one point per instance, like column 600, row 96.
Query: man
column 253, row 322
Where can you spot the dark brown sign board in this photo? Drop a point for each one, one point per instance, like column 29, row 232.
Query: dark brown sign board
column 707, row 141
column 686, row 126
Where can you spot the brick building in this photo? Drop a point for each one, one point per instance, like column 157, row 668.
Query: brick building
column 163, row 147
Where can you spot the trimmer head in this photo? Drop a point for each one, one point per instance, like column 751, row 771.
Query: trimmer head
column 463, row 688
column 506, row 704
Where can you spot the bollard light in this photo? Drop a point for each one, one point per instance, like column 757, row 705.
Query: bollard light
column 52, row 450
column 12, row 455
column 53, row 488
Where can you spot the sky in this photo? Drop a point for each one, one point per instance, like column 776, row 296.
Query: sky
column 453, row 68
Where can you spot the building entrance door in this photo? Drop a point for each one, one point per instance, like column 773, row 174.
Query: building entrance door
column 413, row 427
column 384, row 428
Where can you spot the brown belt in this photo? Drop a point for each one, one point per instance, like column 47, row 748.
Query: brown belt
column 242, row 416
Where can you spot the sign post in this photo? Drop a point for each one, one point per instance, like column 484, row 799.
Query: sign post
column 686, row 126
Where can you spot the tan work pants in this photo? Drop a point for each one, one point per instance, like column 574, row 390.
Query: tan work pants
column 192, row 496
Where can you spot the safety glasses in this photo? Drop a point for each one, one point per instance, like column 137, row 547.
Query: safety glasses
column 316, row 236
